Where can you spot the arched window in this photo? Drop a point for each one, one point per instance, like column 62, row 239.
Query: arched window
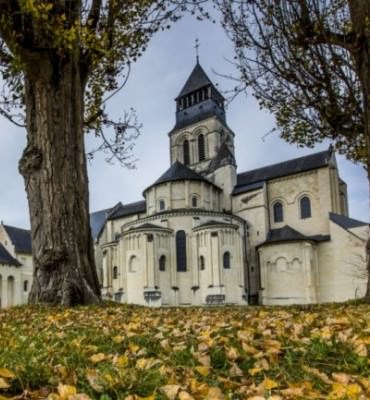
column 162, row 205
column 194, row 201
column 181, row 251
column 25, row 286
column 201, row 153
column 226, row 260
column 278, row 212
column 305, row 205
column 202, row 264
column 186, row 152
column 115, row 272
column 162, row 263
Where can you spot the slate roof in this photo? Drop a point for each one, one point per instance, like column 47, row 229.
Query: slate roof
column 197, row 79
column 97, row 221
column 212, row 223
column 6, row 258
column 198, row 113
column 123, row 210
column 147, row 226
column 346, row 222
column 287, row 233
column 179, row 172
column 285, row 168
column 20, row 238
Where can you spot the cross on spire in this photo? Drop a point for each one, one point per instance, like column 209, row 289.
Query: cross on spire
column 197, row 49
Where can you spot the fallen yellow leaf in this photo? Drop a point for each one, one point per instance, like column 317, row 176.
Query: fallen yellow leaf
column 170, row 391
column 269, row 384
column 118, row 339
column 202, row 370
column 254, row 371
column 6, row 373
column 121, row 361
column 215, row 393
column 65, row 391
column 96, row 358
column 94, row 380
column 185, row 396
column 4, row 384
column 341, row 377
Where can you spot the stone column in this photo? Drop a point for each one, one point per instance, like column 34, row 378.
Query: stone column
column 186, row 194
column 150, row 260
column 215, row 259
column 307, row 268
column 4, row 292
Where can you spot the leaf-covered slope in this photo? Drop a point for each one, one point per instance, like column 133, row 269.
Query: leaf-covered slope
column 127, row 352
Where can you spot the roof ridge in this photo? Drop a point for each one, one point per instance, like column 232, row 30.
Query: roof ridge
column 286, row 161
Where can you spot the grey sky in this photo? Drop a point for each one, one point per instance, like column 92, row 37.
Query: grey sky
column 155, row 81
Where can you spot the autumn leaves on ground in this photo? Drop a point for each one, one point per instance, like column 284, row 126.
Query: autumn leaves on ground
column 125, row 352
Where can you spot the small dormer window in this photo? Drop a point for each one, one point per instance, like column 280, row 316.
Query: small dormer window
column 162, row 205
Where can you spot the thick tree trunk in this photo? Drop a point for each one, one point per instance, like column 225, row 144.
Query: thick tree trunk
column 54, row 168
column 360, row 17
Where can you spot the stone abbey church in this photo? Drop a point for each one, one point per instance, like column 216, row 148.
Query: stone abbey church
column 206, row 234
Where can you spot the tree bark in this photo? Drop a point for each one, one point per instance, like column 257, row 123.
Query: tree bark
column 360, row 17
column 54, row 169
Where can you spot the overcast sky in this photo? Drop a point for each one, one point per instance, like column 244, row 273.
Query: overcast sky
column 155, row 81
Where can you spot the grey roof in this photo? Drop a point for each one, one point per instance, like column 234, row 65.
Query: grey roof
column 6, row 258
column 346, row 222
column 148, row 226
column 287, row 233
column 21, row 239
column 285, row 168
column 97, row 221
column 212, row 223
column 197, row 79
column 197, row 113
column 179, row 172
column 248, row 187
column 123, row 210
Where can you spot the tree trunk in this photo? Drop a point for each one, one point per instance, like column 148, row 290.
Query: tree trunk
column 360, row 17
column 54, row 169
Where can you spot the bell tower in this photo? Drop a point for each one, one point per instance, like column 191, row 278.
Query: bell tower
column 201, row 138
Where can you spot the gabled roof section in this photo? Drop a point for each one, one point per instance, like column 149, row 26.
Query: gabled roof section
column 285, row 168
column 6, row 258
column 123, row 210
column 346, row 222
column 287, row 234
column 197, row 79
column 20, row 238
column 179, row 172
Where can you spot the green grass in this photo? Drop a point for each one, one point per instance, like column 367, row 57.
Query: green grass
column 116, row 351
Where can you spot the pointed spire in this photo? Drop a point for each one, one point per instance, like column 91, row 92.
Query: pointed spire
column 197, row 45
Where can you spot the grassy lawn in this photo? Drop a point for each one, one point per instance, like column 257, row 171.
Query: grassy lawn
column 125, row 352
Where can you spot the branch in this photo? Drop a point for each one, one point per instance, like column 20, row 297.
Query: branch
column 94, row 14
column 10, row 118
